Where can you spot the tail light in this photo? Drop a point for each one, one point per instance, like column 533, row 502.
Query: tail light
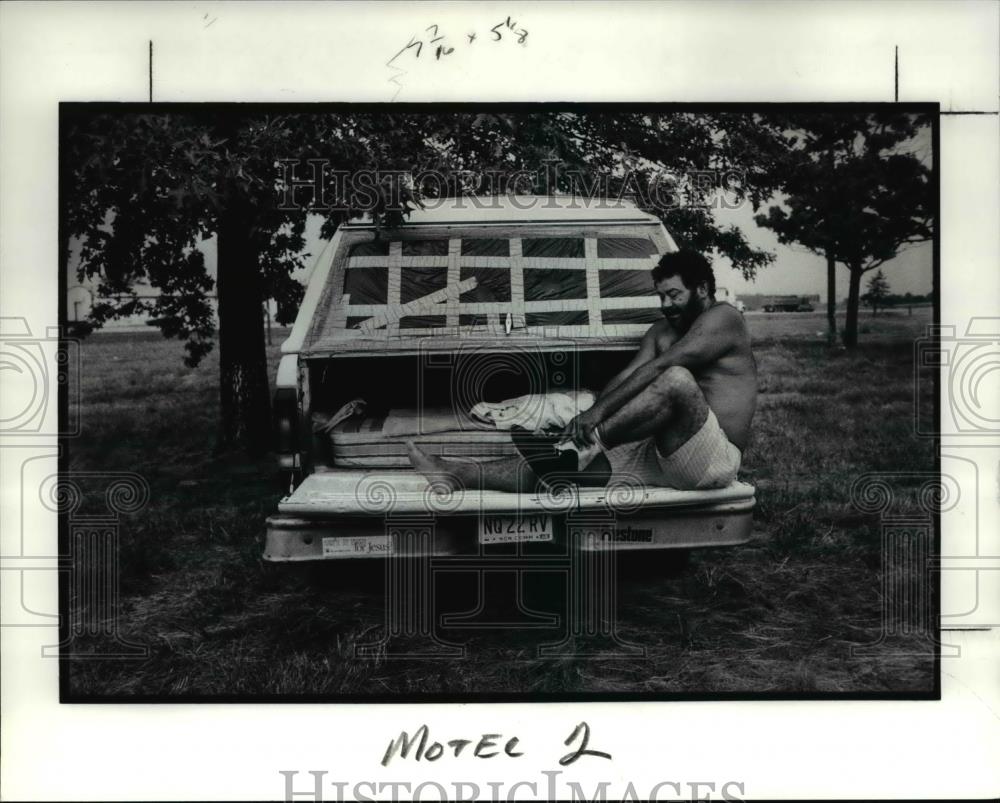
column 286, row 418
column 286, row 422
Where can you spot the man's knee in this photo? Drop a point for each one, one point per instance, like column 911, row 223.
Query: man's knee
column 676, row 380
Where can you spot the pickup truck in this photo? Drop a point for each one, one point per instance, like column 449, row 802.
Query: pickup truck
column 402, row 332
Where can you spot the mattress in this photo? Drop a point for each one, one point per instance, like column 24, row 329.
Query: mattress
column 378, row 439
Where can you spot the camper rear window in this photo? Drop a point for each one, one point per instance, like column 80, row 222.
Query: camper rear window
column 552, row 247
column 367, row 285
column 425, row 248
column 492, row 284
column 625, row 247
column 544, row 290
column 485, row 247
column 417, row 282
column 625, row 283
column 371, row 248
column 550, row 285
column 421, row 321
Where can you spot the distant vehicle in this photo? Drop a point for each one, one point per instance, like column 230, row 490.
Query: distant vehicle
column 788, row 304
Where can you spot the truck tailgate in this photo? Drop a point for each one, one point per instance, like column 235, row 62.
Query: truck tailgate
column 381, row 492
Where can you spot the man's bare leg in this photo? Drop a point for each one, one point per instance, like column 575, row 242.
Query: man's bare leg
column 670, row 409
column 511, row 474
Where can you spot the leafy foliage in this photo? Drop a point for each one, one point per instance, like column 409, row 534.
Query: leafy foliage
column 878, row 292
column 852, row 193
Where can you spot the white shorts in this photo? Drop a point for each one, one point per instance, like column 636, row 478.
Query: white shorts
column 706, row 460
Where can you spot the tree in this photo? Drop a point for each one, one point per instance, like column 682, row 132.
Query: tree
column 142, row 188
column 878, row 292
column 852, row 195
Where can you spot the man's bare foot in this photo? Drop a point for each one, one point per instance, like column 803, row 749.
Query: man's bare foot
column 554, row 465
column 435, row 469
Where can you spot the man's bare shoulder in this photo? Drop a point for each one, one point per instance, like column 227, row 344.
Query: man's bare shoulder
column 723, row 317
column 724, row 311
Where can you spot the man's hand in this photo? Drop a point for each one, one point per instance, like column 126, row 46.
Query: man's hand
column 581, row 429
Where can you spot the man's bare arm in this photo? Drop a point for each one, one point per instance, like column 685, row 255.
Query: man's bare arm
column 646, row 352
column 711, row 335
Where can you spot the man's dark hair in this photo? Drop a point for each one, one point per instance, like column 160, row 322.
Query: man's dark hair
column 691, row 266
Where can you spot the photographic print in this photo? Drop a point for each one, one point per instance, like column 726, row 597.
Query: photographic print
column 496, row 402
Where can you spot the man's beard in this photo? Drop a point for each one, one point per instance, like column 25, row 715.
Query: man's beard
column 686, row 316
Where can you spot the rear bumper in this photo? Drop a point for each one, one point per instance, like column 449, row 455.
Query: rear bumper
column 340, row 514
column 293, row 538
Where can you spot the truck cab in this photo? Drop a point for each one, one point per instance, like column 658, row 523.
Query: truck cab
column 402, row 332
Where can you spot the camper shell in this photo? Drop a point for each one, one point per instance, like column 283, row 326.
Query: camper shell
column 473, row 300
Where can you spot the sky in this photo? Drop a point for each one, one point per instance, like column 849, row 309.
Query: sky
column 796, row 271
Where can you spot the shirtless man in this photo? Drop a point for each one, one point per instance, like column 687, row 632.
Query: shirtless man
column 678, row 415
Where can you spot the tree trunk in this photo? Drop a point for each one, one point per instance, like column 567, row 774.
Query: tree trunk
column 853, row 301
column 831, row 298
column 244, row 395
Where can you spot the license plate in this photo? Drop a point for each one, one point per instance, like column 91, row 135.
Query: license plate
column 358, row 546
column 515, row 529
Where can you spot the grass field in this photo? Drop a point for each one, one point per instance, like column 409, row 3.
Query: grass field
column 779, row 614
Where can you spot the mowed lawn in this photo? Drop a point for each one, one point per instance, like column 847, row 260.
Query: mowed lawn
column 778, row 615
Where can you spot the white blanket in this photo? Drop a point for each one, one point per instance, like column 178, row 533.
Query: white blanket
column 536, row 412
